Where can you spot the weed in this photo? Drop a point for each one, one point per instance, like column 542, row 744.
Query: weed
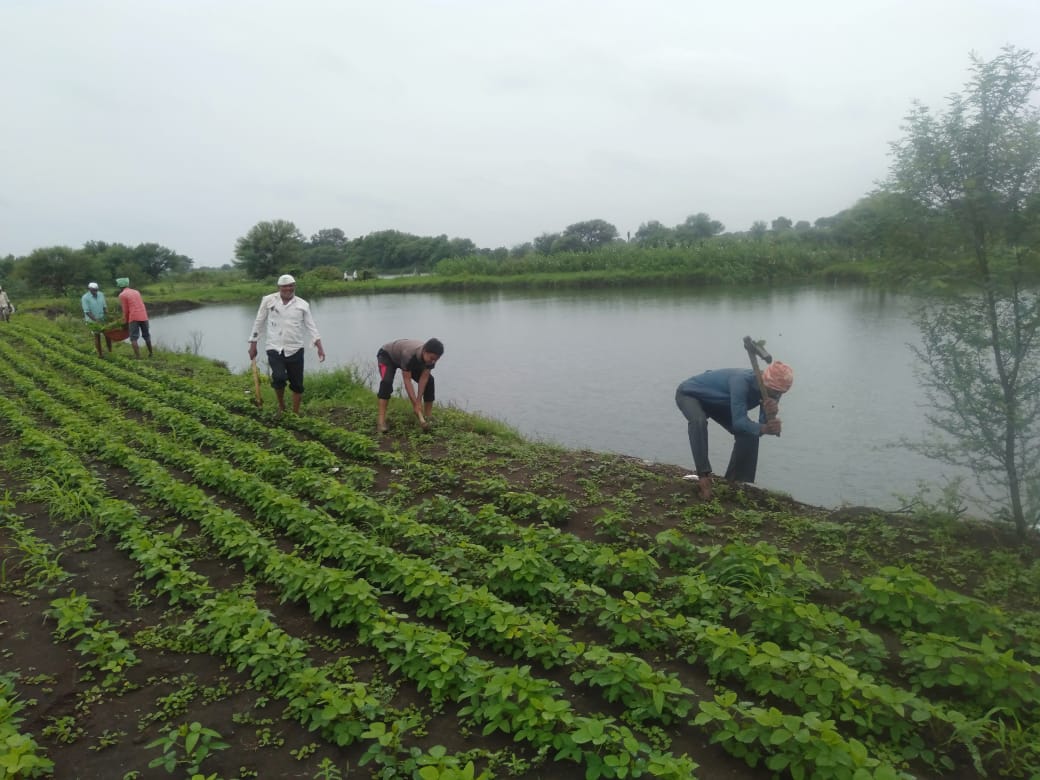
column 327, row 770
column 610, row 524
column 304, row 752
column 265, row 738
column 64, row 729
column 107, row 739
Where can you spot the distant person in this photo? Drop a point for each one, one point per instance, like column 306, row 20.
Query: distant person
column 135, row 315
column 416, row 360
column 6, row 307
column 95, row 309
column 726, row 395
column 287, row 326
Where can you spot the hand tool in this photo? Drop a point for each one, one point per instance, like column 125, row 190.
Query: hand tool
column 256, row 386
column 756, row 351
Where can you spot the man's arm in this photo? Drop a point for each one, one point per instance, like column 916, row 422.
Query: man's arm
column 406, row 375
column 738, row 407
column 312, row 329
column 419, row 391
column 258, row 324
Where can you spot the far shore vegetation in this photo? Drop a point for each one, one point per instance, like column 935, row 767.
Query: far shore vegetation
column 720, row 261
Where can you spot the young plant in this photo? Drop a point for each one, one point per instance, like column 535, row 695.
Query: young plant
column 186, row 745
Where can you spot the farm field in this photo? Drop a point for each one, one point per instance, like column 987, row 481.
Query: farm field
column 194, row 586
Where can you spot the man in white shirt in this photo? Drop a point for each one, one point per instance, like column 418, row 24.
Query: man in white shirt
column 287, row 324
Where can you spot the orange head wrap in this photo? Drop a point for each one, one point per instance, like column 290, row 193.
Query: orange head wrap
column 778, row 376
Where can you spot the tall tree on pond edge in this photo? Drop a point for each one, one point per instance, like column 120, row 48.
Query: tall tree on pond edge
column 269, row 249
column 975, row 168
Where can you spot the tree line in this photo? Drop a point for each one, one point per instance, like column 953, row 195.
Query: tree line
column 879, row 224
column 57, row 270
column 271, row 247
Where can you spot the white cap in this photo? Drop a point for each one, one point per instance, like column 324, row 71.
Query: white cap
column 92, row 286
column 285, row 279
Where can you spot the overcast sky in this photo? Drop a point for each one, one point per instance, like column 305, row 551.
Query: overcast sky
column 186, row 122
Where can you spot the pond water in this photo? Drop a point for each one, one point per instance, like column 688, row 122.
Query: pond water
column 598, row 369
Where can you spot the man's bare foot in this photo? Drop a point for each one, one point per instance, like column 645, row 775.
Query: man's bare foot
column 704, row 486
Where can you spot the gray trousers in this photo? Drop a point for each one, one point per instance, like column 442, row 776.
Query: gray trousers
column 743, row 462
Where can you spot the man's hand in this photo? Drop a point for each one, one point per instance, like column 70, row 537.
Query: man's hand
column 252, row 350
column 771, row 407
column 321, row 351
column 772, row 427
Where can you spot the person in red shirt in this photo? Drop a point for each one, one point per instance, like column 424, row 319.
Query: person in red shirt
column 135, row 315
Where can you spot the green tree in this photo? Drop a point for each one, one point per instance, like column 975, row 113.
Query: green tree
column 568, row 242
column 697, row 228
column 103, row 263
column 329, row 237
column 316, row 256
column 392, row 250
column 587, row 236
column 781, row 224
column 654, row 235
column 543, row 244
column 155, row 261
column 269, row 248
column 53, row 270
column 887, row 223
column 976, row 169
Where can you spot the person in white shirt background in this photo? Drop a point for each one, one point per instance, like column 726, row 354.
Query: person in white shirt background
column 6, row 308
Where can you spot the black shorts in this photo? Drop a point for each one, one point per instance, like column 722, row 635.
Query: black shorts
column 387, row 372
column 286, row 368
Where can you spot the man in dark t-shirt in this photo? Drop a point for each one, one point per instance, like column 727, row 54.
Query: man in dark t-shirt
column 416, row 360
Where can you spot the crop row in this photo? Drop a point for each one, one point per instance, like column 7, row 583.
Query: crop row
column 20, row 755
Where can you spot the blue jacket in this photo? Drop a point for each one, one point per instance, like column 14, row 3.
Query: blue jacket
column 726, row 395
